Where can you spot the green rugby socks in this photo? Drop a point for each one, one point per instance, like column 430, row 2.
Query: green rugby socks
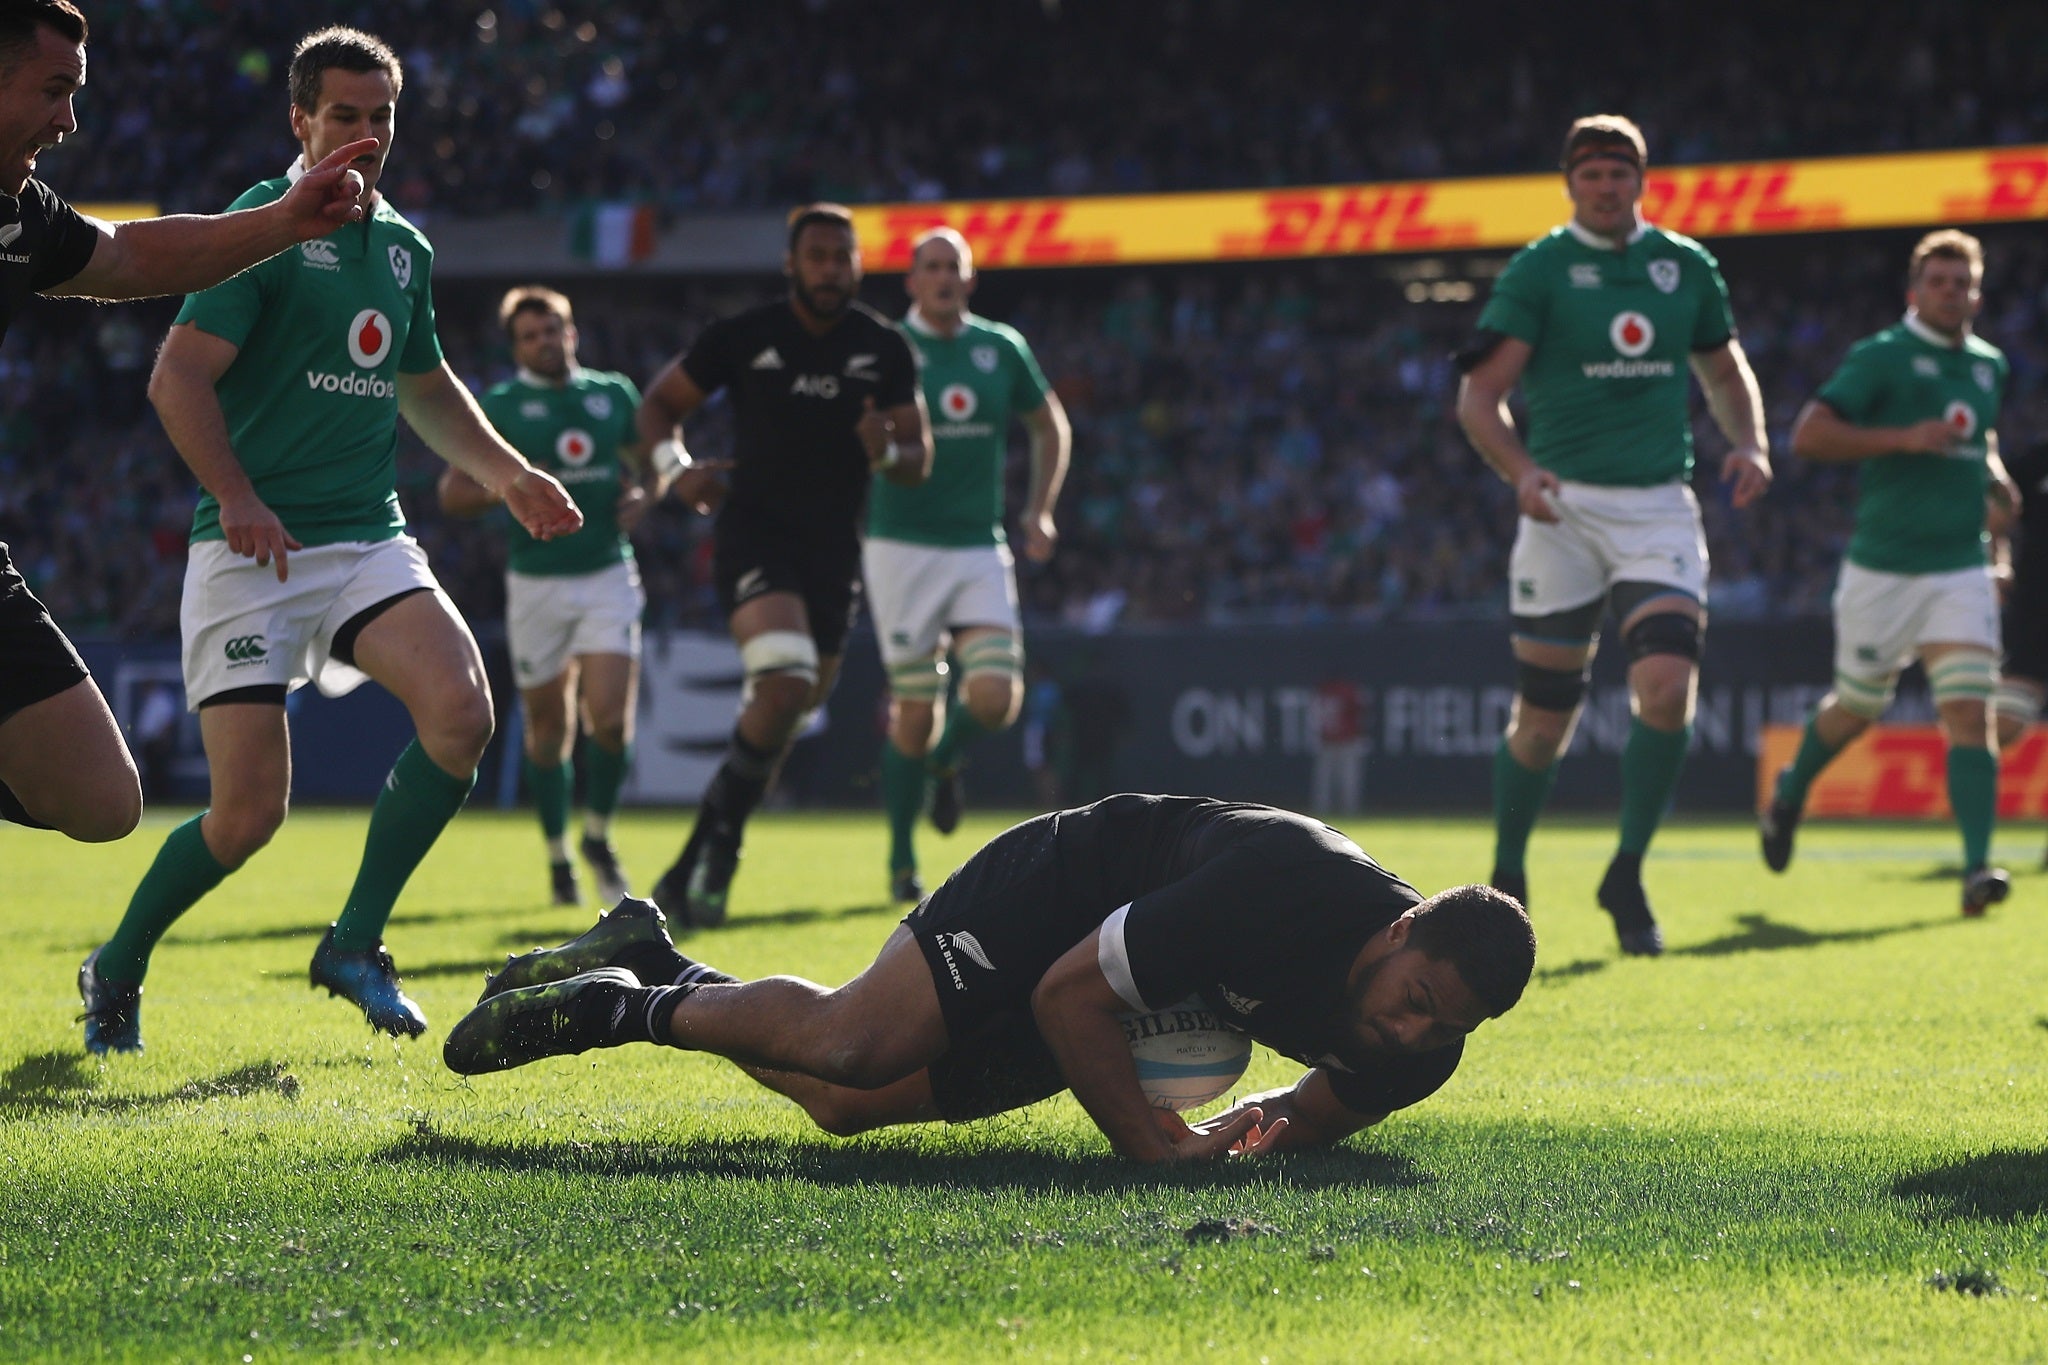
column 184, row 870
column 417, row 802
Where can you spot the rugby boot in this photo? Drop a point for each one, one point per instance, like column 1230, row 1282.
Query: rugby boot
column 711, row 881
column 1621, row 895
column 1775, row 828
column 949, row 800
column 1515, row 884
column 633, row 936
column 672, row 891
column 906, row 886
column 1984, row 888
column 113, row 1010
column 604, row 865
column 557, row 1019
column 562, row 888
column 368, row 980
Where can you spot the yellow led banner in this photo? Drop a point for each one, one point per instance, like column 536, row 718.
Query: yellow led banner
column 1825, row 194
column 118, row 213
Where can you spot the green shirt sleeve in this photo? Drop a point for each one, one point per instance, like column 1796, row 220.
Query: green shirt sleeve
column 1715, row 325
column 1028, row 387
column 422, row 342
column 1854, row 388
column 1520, row 303
column 231, row 308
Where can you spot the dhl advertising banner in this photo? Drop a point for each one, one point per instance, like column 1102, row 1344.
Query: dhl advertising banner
column 1823, row 194
column 1901, row 771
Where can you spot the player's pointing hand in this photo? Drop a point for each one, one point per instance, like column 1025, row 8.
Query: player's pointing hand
column 330, row 194
column 542, row 505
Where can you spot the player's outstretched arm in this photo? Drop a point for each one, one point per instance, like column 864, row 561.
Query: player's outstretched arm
column 1052, row 446
column 181, row 389
column 462, row 496
column 1308, row 1114
column 1823, row 434
column 186, row 253
column 436, row 405
column 1483, row 413
column 1077, row 1013
column 1737, row 404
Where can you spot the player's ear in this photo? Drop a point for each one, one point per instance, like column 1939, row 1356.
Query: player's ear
column 1397, row 932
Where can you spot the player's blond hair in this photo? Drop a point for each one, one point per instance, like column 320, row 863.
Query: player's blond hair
column 1604, row 135
column 951, row 237
column 534, row 298
column 1946, row 244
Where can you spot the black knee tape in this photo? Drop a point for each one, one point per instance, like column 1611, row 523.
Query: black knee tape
column 1553, row 689
column 1667, row 632
column 1572, row 626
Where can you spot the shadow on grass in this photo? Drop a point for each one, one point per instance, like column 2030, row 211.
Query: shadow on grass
column 1762, row 934
column 1585, row 966
column 2003, row 1186
column 50, row 1082
column 311, row 930
column 809, row 914
column 1010, row 1165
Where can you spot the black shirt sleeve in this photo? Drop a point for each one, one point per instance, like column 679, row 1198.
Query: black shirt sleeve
column 1396, row 1083
column 68, row 237
column 899, row 371
column 710, row 361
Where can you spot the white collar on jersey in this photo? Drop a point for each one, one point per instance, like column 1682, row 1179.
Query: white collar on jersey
column 1599, row 243
column 297, row 170
column 541, row 381
column 1931, row 336
column 916, row 322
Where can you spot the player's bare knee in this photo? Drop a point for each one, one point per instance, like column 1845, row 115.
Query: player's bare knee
column 112, row 812
column 993, row 700
column 836, row 1117
column 235, row 835
column 992, row 677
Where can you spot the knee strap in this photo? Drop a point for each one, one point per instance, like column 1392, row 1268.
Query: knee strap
column 1664, row 632
column 1552, row 689
column 789, row 653
column 918, row 679
column 1967, row 675
column 997, row 652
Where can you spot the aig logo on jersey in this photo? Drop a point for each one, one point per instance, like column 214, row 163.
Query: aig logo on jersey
column 574, row 448
column 1632, row 334
column 815, row 386
column 958, row 402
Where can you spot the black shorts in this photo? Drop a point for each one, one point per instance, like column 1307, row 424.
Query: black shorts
column 750, row 557
column 2025, row 629
column 989, row 934
column 36, row 660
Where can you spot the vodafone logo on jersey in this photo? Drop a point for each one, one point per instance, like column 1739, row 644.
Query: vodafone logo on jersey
column 958, row 402
column 1961, row 418
column 1632, row 334
column 369, row 339
column 574, row 448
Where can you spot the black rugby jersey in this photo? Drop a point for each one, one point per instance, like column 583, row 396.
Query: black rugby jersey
column 1258, row 912
column 797, row 462
column 43, row 242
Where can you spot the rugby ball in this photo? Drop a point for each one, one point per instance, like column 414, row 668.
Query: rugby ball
column 1184, row 1054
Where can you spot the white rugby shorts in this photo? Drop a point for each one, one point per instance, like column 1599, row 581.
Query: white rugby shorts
column 1605, row 536
column 1883, row 619
column 553, row 618
column 917, row 593
column 243, row 628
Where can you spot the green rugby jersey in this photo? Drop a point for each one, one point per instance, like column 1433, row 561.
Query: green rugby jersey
column 575, row 432
column 324, row 329
column 1611, row 330
column 974, row 382
column 1915, row 512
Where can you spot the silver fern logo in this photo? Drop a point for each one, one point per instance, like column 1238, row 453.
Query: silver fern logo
column 970, row 945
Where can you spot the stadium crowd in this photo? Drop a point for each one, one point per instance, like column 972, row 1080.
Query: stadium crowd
column 514, row 104
column 1253, row 443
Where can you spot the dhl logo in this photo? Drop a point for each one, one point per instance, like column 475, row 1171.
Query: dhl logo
column 1901, row 772
column 1027, row 233
column 1722, row 200
column 2018, row 188
column 1347, row 222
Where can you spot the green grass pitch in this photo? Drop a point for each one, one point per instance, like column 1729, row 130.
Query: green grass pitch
column 1814, row 1130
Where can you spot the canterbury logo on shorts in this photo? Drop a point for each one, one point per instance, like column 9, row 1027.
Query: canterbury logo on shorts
column 245, row 649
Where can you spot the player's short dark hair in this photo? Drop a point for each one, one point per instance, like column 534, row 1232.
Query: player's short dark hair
column 533, row 298
column 19, row 20
column 1947, row 244
column 1486, row 935
column 1604, row 135
column 833, row 215
column 349, row 49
